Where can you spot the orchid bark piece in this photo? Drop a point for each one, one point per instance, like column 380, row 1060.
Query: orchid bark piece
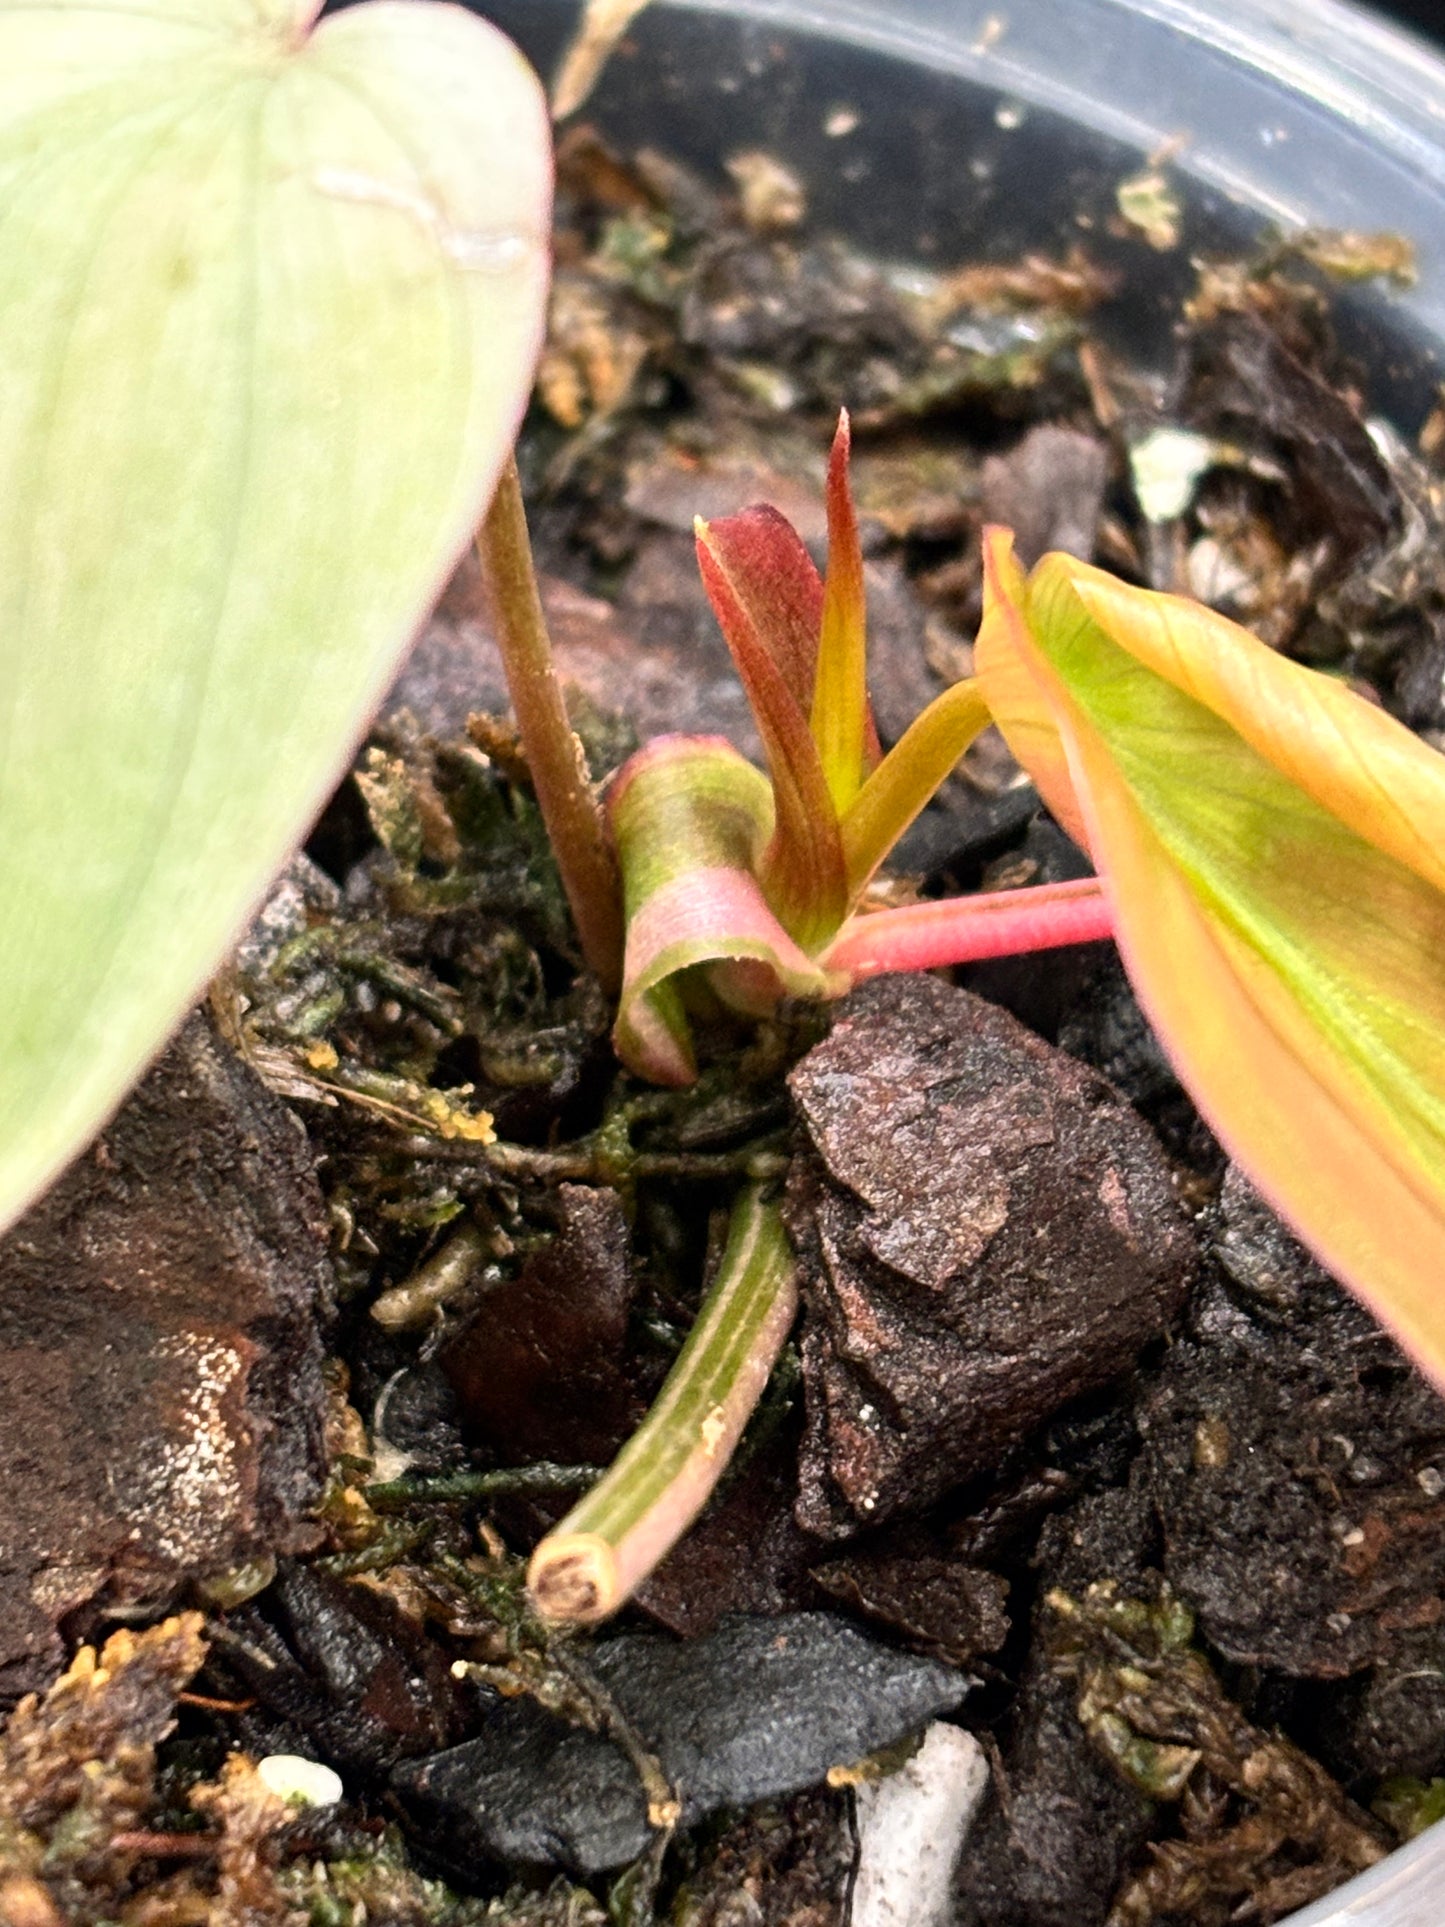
column 1270, row 845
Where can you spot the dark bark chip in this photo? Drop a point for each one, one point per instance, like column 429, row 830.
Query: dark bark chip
column 986, row 1230
column 161, row 1395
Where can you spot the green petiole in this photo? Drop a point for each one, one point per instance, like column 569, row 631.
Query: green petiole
column 608, row 1543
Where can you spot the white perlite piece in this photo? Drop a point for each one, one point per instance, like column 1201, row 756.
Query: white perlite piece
column 1167, row 465
column 305, row 1783
column 911, row 1829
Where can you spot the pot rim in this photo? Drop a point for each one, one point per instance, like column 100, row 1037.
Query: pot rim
column 1308, row 112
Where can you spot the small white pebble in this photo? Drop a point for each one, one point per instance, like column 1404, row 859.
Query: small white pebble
column 911, row 1829
column 1339, row 1622
column 1431, row 1481
column 1167, row 465
column 306, row 1783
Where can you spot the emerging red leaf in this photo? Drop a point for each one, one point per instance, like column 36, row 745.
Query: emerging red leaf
column 769, row 604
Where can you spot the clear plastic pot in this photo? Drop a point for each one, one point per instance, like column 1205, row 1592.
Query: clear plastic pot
column 945, row 130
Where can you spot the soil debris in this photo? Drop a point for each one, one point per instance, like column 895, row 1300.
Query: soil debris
column 1247, row 388
column 540, row 1371
column 170, row 1291
column 1049, row 490
column 985, row 1231
column 336, row 1661
column 1264, row 1828
column 77, row 1772
column 1058, row 1828
column 940, row 1606
column 1289, row 1452
column 787, row 1864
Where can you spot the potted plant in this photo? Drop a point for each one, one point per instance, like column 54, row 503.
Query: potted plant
column 502, row 245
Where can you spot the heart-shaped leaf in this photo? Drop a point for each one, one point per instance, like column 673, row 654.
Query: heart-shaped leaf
column 1270, row 842
column 269, row 303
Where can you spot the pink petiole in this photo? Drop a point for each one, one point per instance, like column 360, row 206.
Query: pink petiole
column 1001, row 923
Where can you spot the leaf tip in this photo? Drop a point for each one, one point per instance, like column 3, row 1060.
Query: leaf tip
column 842, row 445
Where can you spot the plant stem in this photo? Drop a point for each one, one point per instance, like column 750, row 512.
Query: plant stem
column 907, row 777
column 608, row 1544
column 587, row 1162
column 997, row 923
column 571, row 812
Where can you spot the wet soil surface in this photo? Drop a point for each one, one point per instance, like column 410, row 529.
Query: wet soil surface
column 1073, row 1443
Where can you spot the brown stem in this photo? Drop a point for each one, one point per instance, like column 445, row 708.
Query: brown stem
column 554, row 756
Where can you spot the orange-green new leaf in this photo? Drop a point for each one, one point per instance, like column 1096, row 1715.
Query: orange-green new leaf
column 1270, row 845
column 690, row 818
column 1019, row 704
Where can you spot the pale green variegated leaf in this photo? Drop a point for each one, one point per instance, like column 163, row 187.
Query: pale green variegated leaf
column 691, row 818
column 269, row 302
column 1270, row 843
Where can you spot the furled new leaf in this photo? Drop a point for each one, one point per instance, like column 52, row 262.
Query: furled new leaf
column 768, row 599
column 840, row 719
column 692, row 818
column 269, row 300
column 1271, row 846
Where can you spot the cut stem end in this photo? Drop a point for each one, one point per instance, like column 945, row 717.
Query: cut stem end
column 573, row 1578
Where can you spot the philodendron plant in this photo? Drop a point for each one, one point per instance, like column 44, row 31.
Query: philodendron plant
column 751, row 882
column 1268, row 856
column 268, row 312
column 1267, row 841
